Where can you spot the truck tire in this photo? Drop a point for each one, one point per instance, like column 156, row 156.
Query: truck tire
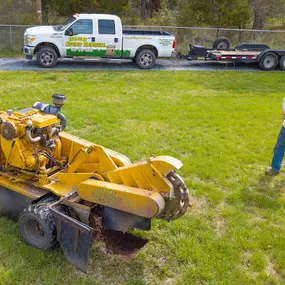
column 37, row 226
column 145, row 59
column 47, row 57
column 221, row 43
column 268, row 61
column 282, row 62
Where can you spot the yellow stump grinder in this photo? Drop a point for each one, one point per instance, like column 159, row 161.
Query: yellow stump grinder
column 51, row 180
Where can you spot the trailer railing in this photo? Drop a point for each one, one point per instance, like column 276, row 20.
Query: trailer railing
column 11, row 36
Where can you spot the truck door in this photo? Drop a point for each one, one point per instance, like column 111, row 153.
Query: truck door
column 78, row 37
column 109, row 36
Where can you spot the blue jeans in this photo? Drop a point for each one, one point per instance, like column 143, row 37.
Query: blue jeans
column 279, row 151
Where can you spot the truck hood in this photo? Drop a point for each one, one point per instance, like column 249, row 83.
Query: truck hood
column 41, row 30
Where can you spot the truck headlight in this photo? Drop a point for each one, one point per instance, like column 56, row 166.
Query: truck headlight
column 31, row 39
column 28, row 39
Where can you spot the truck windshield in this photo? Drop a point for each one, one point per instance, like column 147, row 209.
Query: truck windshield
column 65, row 24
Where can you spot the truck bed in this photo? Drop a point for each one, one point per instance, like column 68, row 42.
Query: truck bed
column 145, row 32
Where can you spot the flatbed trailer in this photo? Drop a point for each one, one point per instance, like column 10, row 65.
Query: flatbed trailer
column 261, row 54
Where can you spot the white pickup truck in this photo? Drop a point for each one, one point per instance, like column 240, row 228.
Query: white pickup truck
column 96, row 35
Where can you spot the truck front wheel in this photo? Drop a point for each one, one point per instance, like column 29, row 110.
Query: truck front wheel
column 145, row 59
column 269, row 61
column 47, row 57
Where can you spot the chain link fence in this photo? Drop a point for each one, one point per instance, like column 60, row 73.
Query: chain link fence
column 11, row 36
column 207, row 36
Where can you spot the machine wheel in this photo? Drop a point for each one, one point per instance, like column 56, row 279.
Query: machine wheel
column 37, row 226
column 221, row 43
column 145, row 59
column 269, row 61
column 282, row 62
column 47, row 57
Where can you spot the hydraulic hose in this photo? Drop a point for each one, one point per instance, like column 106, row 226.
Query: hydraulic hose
column 29, row 136
column 63, row 121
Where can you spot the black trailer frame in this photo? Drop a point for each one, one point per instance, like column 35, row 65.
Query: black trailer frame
column 266, row 58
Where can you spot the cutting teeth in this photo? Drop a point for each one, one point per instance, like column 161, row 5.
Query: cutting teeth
column 177, row 206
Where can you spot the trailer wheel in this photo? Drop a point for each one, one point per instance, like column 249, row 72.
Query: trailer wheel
column 47, row 57
column 269, row 61
column 282, row 62
column 145, row 59
column 37, row 226
column 221, row 43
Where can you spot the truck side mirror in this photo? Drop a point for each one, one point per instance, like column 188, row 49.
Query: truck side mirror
column 69, row 32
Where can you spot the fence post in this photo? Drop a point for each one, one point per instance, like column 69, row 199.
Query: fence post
column 11, row 38
column 203, row 40
column 252, row 36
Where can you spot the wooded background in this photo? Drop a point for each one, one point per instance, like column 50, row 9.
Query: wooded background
column 255, row 14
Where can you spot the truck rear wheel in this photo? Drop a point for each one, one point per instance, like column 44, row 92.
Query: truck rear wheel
column 269, row 61
column 47, row 57
column 145, row 59
column 37, row 226
column 282, row 62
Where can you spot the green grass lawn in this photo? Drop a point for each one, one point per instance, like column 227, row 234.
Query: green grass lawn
column 222, row 125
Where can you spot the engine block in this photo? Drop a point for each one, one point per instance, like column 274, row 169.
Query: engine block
column 29, row 138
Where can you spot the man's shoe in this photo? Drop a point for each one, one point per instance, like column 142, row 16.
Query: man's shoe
column 271, row 172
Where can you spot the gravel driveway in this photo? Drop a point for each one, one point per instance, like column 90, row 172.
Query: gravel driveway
column 111, row 64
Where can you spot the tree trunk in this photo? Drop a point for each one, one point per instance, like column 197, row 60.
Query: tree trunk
column 40, row 11
column 143, row 9
column 259, row 19
column 45, row 12
column 259, row 13
column 153, row 6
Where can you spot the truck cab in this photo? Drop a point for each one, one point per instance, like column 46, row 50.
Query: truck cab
column 96, row 35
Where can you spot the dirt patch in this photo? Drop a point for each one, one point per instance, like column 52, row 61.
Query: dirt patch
column 124, row 245
column 199, row 206
column 246, row 255
column 219, row 225
column 270, row 271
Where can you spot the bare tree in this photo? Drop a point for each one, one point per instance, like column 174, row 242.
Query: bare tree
column 153, row 6
column 260, row 10
column 143, row 9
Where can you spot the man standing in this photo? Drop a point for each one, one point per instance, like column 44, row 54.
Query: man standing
column 279, row 149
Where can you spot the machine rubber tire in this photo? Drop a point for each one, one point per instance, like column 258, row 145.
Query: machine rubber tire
column 37, row 226
column 269, row 61
column 47, row 57
column 145, row 59
column 282, row 62
column 221, row 43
